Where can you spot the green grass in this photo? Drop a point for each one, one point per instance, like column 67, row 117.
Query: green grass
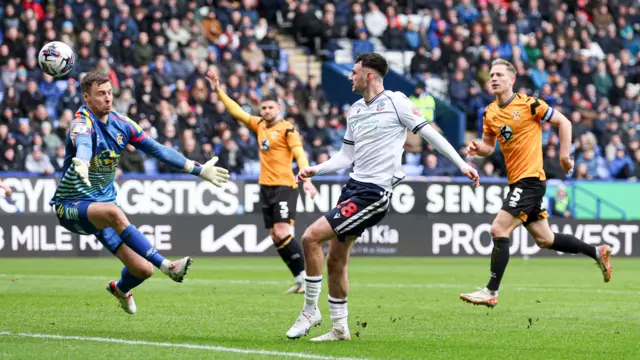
column 549, row 309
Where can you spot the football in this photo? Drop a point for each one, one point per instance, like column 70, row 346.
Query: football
column 56, row 58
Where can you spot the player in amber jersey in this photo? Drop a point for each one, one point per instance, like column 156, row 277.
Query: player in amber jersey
column 515, row 120
column 279, row 144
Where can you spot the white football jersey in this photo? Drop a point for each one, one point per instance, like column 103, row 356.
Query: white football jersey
column 378, row 131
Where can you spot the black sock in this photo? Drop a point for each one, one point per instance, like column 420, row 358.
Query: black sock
column 571, row 245
column 291, row 253
column 499, row 261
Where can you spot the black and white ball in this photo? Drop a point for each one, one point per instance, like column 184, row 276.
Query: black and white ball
column 56, row 58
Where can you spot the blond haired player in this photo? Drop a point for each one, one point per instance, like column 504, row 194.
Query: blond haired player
column 515, row 120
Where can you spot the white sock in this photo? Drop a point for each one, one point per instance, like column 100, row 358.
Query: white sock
column 339, row 312
column 300, row 278
column 313, row 285
column 164, row 267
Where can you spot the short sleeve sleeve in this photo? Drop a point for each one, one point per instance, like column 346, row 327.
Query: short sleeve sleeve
column 540, row 110
column 293, row 138
column 486, row 123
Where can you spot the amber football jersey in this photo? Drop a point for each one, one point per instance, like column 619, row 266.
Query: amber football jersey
column 276, row 156
column 518, row 126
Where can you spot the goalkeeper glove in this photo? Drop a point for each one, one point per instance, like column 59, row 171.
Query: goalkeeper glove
column 81, row 167
column 213, row 174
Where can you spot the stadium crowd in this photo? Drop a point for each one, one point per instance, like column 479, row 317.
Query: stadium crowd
column 583, row 58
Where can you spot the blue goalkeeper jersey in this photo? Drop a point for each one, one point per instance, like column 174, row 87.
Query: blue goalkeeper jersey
column 108, row 141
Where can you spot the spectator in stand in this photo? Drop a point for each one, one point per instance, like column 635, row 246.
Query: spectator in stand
column 560, row 203
column 38, row 162
column 57, row 161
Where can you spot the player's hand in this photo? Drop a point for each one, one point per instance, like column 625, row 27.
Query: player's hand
column 309, row 189
column 81, row 167
column 213, row 174
column 213, row 80
column 472, row 174
column 567, row 164
column 473, row 148
column 305, row 173
column 5, row 189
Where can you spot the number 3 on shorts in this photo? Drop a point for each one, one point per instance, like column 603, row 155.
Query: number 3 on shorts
column 515, row 197
column 284, row 209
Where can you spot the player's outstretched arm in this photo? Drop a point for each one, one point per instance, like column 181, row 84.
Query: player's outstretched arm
column 215, row 175
column 342, row 160
column 411, row 117
column 564, row 131
column 232, row 107
column 445, row 148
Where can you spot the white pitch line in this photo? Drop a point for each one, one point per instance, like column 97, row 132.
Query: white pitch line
column 212, row 348
column 572, row 288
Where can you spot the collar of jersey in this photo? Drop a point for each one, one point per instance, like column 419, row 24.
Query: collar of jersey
column 508, row 101
column 374, row 98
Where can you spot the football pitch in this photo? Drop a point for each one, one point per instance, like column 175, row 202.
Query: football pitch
column 399, row 308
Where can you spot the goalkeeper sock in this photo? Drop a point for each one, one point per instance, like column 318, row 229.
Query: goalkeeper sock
column 139, row 243
column 499, row 261
column 291, row 253
column 128, row 281
column 312, row 293
column 571, row 245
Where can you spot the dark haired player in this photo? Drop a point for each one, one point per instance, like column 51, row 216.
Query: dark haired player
column 85, row 200
column 279, row 144
column 376, row 133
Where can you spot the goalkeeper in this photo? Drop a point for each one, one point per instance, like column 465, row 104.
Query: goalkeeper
column 85, row 200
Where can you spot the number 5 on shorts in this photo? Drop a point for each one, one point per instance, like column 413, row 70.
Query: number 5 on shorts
column 515, row 197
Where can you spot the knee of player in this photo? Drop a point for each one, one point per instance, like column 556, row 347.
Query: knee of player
column 308, row 237
column 145, row 270
column 117, row 218
column 544, row 241
column 279, row 236
column 498, row 231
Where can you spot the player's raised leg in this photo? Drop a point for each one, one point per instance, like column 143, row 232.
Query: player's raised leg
column 501, row 228
column 569, row 244
column 105, row 215
column 337, row 260
column 312, row 240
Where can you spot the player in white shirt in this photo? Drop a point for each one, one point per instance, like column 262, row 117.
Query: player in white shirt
column 373, row 143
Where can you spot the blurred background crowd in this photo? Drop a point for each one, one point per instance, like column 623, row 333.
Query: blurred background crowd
column 582, row 57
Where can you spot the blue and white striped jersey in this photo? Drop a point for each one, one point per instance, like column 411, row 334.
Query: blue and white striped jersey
column 108, row 141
